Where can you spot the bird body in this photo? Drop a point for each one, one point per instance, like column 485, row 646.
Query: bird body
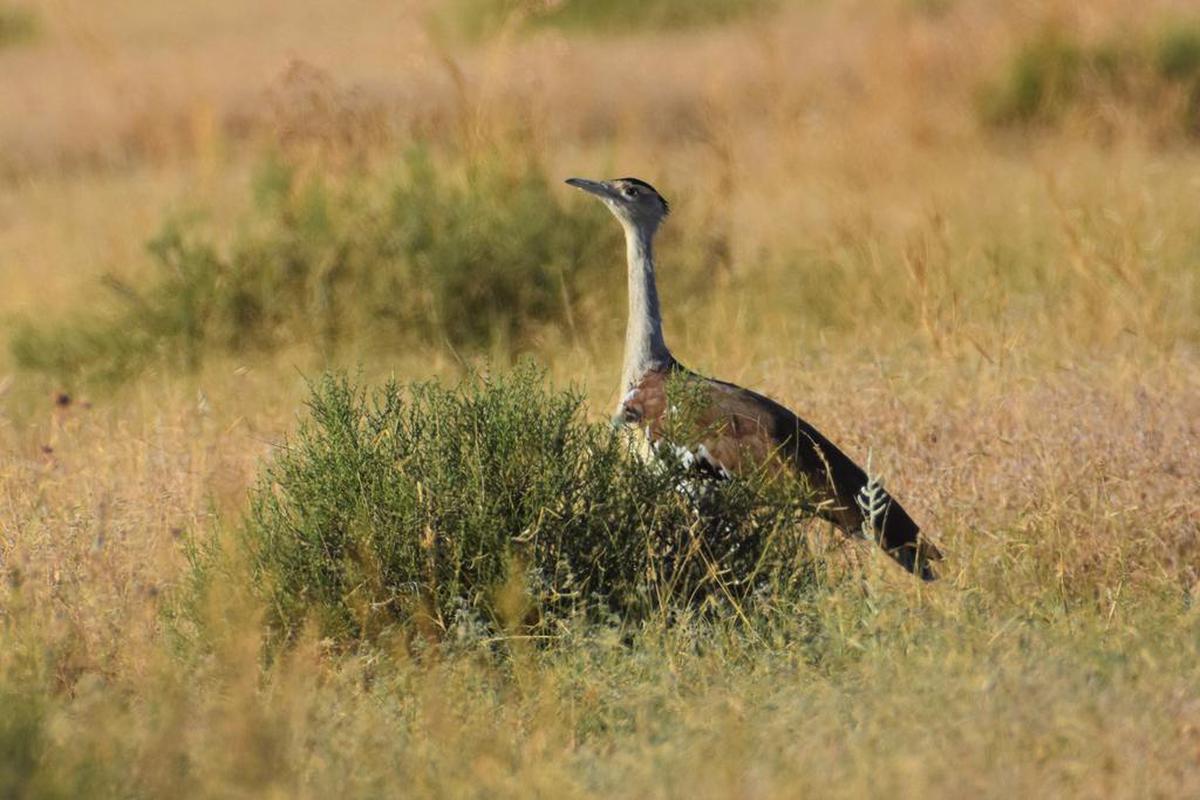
column 736, row 430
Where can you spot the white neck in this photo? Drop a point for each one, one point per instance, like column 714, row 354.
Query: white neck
column 645, row 348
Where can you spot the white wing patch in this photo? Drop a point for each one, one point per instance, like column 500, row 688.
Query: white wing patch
column 688, row 457
column 873, row 502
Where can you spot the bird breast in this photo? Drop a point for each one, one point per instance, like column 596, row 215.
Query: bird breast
column 720, row 432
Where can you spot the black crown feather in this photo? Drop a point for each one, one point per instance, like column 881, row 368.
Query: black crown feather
column 643, row 184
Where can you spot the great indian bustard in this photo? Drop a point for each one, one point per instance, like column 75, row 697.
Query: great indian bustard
column 739, row 427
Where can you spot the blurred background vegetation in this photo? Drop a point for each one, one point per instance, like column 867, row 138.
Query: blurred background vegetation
column 959, row 236
column 476, row 19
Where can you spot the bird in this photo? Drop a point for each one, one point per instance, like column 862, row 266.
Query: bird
column 740, row 430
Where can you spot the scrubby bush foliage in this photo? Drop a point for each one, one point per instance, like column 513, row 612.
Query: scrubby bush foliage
column 662, row 14
column 496, row 504
column 1056, row 73
column 477, row 18
column 17, row 25
column 432, row 256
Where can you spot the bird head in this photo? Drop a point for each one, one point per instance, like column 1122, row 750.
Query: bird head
column 635, row 203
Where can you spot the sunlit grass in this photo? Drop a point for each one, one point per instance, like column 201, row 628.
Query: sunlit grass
column 1002, row 317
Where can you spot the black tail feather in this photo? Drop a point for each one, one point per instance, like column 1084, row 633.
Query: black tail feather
column 901, row 539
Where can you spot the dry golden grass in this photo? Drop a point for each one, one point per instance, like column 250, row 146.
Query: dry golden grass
column 1007, row 322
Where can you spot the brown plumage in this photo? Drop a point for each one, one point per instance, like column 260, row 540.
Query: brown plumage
column 739, row 429
column 743, row 430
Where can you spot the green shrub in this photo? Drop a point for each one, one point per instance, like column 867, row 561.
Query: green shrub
column 1177, row 57
column 1177, row 52
column 478, row 18
column 486, row 257
column 497, row 504
column 1042, row 77
column 34, row 762
column 17, row 25
column 22, row 728
column 1054, row 73
column 614, row 15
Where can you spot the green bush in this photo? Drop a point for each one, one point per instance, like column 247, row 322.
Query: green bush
column 1177, row 57
column 478, row 18
column 613, row 15
column 1177, row 52
column 1054, row 73
column 474, row 259
column 33, row 761
column 17, row 25
column 494, row 505
column 1041, row 79
column 21, row 737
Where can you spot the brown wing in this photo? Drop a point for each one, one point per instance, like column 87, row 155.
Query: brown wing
column 742, row 430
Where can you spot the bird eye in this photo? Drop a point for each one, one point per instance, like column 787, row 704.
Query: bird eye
column 631, row 191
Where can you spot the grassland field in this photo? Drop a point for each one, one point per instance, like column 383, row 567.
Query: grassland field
column 959, row 236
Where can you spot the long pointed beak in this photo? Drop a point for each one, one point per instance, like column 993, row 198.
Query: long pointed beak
column 601, row 189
